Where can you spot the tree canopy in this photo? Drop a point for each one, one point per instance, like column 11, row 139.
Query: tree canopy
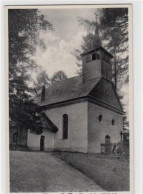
column 115, row 21
column 23, row 31
column 58, row 76
column 113, row 25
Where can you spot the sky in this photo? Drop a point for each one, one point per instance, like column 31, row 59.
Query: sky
column 61, row 42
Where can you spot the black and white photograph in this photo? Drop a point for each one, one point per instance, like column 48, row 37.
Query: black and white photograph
column 69, row 89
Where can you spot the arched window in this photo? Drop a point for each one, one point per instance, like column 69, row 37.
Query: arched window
column 113, row 122
column 100, row 118
column 107, row 139
column 65, row 126
column 15, row 137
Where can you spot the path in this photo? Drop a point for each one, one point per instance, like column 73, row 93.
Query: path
column 43, row 172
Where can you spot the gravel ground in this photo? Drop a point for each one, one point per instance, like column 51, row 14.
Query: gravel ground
column 43, row 172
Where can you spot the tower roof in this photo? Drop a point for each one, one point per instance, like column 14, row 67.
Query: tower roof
column 95, row 49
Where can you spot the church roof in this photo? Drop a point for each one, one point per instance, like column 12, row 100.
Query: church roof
column 68, row 89
column 48, row 124
column 74, row 88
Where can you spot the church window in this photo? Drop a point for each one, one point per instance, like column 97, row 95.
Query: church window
column 113, row 122
column 107, row 139
column 65, row 126
column 100, row 118
column 15, row 137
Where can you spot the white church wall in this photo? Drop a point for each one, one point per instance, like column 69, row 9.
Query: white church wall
column 98, row 130
column 77, row 126
column 33, row 141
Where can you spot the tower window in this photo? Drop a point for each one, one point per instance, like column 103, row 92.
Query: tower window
column 100, row 118
column 65, row 126
column 95, row 56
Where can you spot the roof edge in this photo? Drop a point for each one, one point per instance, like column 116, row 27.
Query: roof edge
column 95, row 49
column 81, row 99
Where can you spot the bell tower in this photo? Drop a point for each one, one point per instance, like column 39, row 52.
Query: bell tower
column 97, row 61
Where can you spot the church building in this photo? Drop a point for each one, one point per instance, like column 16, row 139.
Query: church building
column 82, row 113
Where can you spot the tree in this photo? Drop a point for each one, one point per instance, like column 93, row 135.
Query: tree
column 42, row 78
column 58, row 76
column 85, row 46
column 113, row 25
column 24, row 26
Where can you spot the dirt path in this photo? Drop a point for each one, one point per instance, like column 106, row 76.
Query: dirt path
column 42, row 172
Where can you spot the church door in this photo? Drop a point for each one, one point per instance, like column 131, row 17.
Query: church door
column 42, row 141
column 107, row 144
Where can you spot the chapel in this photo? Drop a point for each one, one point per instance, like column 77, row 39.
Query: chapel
column 82, row 113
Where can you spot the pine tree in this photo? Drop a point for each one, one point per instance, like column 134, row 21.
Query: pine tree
column 113, row 25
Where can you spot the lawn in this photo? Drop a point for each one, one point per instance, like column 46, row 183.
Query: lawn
column 110, row 173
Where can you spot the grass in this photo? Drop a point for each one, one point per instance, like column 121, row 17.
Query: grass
column 110, row 173
column 42, row 172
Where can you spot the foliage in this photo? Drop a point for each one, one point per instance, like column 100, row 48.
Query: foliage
column 58, row 76
column 42, row 78
column 113, row 25
column 24, row 26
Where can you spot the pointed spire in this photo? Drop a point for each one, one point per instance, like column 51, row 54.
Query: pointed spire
column 96, row 41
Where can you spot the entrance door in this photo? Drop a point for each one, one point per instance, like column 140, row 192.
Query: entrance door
column 42, row 140
column 107, row 144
